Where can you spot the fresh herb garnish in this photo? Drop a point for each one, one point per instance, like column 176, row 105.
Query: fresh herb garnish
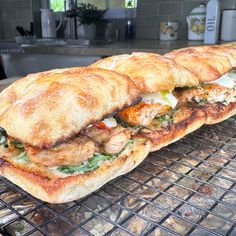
column 93, row 163
column 165, row 118
column 3, row 137
column 17, row 144
column 89, row 165
column 132, row 128
column 23, row 156
column 4, row 140
column 200, row 101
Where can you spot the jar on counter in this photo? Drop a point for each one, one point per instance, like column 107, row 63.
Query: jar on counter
column 196, row 21
column 169, row 30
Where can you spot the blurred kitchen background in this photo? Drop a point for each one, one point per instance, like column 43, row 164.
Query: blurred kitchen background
column 149, row 14
column 37, row 35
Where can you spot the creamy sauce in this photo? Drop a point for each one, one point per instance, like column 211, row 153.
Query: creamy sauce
column 227, row 80
column 162, row 97
column 110, row 122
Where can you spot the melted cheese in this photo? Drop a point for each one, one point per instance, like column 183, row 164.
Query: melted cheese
column 162, row 97
column 227, row 80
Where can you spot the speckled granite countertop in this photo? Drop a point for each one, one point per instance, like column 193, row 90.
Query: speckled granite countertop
column 119, row 47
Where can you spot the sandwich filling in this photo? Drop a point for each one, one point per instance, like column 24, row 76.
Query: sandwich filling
column 102, row 141
column 158, row 105
column 222, row 90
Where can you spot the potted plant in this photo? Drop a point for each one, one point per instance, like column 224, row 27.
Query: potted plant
column 88, row 16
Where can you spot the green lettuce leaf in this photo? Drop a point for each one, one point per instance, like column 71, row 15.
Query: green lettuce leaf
column 94, row 162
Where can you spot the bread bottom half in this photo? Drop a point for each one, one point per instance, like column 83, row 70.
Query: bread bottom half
column 193, row 119
column 218, row 112
column 61, row 190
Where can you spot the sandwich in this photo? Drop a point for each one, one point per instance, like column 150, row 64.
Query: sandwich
column 158, row 116
column 216, row 91
column 59, row 139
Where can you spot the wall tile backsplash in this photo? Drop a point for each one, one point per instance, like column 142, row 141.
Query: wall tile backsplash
column 151, row 12
column 13, row 13
column 149, row 15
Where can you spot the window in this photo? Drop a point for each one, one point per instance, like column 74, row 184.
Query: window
column 58, row 5
column 130, row 3
column 100, row 4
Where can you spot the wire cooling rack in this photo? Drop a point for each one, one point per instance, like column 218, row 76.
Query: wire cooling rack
column 187, row 188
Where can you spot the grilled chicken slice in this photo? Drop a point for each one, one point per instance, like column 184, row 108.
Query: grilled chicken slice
column 109, row 140
column 143, row 113
column 183, row 120
column 73, row 152
column 208, row 92
column 117, row 141
column 99, row 135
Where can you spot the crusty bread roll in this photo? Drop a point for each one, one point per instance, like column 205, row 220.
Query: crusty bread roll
column 48, row 146
column 160, row 71
column 60, row 190
column 150, row 72
column 186, row 119
column 221, row 50
column 218, row 112
column 207, row 62
column 49, row 107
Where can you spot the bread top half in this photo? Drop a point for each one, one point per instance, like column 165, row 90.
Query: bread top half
column 208, row 63
column 150, row 72
column 45, row 108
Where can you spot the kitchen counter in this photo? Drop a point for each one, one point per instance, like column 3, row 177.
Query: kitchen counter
column 119, row 47
column 4, row 86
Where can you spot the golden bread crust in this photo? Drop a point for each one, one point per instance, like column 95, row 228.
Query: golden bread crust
column 206, row 65
column 218, row 112
column 150, row 72
column 229, row 52
column 53, row 106
column 62, row 190
column 188, row 119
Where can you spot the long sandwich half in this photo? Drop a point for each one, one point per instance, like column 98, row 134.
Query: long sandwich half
column 158, row 116
column 214, row 67
column 58, row 138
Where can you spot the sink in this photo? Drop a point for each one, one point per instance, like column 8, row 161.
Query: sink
column 22, row 64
